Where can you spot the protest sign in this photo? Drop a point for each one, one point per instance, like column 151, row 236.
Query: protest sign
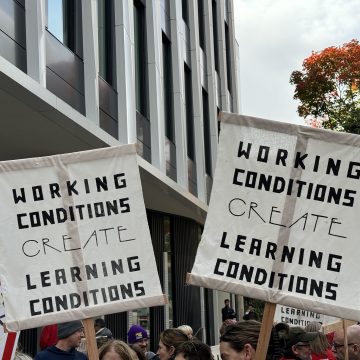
column 282, row 223
column 74, row 237
column 296, row 317
column 8, row 340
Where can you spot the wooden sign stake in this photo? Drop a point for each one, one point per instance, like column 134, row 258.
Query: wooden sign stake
column 265, row 331
column 346, row 349
column 91, row 346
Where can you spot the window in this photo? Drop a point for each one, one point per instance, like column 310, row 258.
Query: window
column 189, row 114
column 140, row 58
column 228, row 57
column 61, row 16
column 185, row 11
column 201, row 24
column 168, row 90
column 215, row 35
column 207, row 134
column 105, row 36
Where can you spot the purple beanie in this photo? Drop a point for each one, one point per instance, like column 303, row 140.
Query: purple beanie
column 136, row 333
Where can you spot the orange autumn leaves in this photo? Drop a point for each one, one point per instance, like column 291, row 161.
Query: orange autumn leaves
column 328, row 88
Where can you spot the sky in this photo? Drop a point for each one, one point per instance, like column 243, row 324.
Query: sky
column 274, row 37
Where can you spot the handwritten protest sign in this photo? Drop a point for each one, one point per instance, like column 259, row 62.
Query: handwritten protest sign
column 283, row 224
column 74, row 237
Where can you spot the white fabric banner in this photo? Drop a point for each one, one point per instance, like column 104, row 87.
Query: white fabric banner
column 283, row 219
column 74, row 238
column 296, row 317
column 300, row 317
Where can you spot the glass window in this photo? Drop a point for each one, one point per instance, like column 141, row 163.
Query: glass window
column 215, row 35
column 105, row 36
column 55, row 18
column 61, row 21
column 185, row 11
column 228, row 57
column 207, row 137
column 201, row 24
column 140, row 58
column 168, row 90
column 189, row 114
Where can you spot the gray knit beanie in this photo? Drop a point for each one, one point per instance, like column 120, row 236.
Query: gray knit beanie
column 68, row 328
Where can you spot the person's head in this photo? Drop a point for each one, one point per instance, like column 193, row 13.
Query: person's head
column 170, row 339
column 353, row 341
column 320, row 344
column 298, row 342
column 99, row 324
column 187, row 329
column 282, row 330
column 193, row 350
column 139, row 352
column 250, row 306
column 239, row 340
column 138, row 335
column 116, row 350
column 227, row 302
column 70, row 334
column 225, row 324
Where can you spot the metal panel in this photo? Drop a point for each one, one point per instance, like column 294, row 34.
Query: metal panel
column 118, row 325
column 12, row 33
column 12, row 21
column 64, row 91
column 192, row 177
column 109, row 124
column 143, row 136
column 12, row 52
column 64, row 63
column 170, row 157
column 64, row 73
column 156, row 225
column 28, row 340
column 186, row 236
column 108, row 99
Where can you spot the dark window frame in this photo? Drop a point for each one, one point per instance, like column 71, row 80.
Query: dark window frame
column 189, row 112
column 140, row 46
column 168, row 90
column 109, row 44
column 215, row 36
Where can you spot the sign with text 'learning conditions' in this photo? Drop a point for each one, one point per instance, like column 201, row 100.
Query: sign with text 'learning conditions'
column 74, row 238
column 283, row 221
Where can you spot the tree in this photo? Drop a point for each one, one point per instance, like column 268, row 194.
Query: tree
column 328, row 88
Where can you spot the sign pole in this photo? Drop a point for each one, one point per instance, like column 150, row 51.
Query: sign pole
column 346, row 349
column 91, row 346
column 265, row 331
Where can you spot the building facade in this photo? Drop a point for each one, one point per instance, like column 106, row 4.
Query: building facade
column 83, row 74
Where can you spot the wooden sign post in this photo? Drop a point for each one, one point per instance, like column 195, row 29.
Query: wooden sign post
column 265, row 331
column 91, row 346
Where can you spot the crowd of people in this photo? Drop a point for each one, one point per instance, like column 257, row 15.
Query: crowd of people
column 238, row 340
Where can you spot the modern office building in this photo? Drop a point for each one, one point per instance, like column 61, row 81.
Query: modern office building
column 84, row 74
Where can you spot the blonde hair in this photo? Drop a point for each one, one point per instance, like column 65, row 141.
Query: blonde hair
column 187, row 329
column 118, row 346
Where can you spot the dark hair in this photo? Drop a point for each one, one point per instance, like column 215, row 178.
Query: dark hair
column 173, row 337
column 194, row 350
column 241, row 333
column 100, row 322
column 139, row 352
column 226, row 300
